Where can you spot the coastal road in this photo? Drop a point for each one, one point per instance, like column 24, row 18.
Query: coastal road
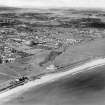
column 82, row 85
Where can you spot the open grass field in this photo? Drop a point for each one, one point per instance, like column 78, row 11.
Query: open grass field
column 91, row 50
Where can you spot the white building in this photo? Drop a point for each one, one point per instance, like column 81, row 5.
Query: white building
column 51, row 67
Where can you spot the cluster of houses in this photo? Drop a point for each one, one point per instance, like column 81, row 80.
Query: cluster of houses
column 6, row 56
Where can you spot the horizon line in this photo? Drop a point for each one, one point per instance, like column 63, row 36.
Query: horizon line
column 56, row 7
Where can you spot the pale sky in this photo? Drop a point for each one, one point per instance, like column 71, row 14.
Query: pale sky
column 54, row 3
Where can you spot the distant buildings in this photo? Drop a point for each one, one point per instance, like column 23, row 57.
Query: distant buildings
column 7, row 60
column 6, row 55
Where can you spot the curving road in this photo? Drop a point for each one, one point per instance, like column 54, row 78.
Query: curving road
column 82, row 85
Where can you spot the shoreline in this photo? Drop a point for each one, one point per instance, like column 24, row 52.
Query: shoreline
column 8, row 95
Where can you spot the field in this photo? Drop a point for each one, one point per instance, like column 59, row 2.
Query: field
column 91, row 50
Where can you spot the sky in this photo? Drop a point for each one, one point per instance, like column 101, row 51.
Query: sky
column 54, row 3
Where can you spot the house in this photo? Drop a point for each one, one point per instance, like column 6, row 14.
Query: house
column 7, row 59
column 51, row 67
column 11, row 60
